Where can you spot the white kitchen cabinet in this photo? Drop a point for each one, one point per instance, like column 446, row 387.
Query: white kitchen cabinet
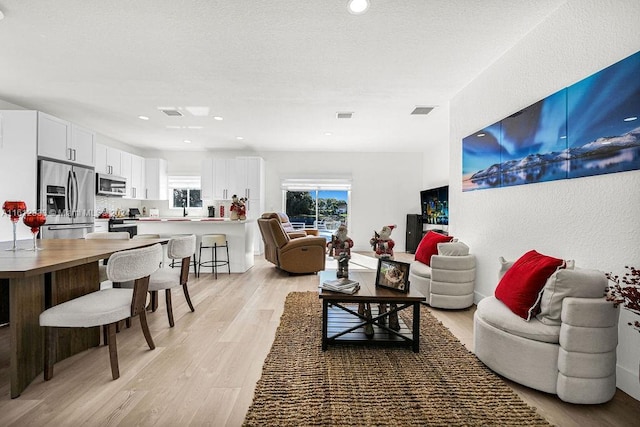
column 156, row 179
column 101, row 225
column 206, row 179
column 224, row 179
column 249, row 183
column 83, row 144
column 138, row 177
column 61, row 140
column 108, row 160
column 125, row 172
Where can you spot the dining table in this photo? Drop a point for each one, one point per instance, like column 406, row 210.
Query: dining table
column 32, row 281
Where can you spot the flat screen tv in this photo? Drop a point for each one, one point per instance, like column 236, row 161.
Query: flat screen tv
column 435, row 205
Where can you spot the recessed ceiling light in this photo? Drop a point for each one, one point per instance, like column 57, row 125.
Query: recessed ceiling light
column 358, row 7
column 344, row 115
column 328, row 134
column 630, row 119
column 217, row 118
column 186, row 141
column 143, row 117
column 239, row 138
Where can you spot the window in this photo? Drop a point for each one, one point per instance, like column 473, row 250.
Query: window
column 184, row 191
column 317, row 203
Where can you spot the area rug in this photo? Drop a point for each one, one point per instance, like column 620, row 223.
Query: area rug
column 350, row 385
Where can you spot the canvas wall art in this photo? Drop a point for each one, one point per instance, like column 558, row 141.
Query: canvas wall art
column 589, row 128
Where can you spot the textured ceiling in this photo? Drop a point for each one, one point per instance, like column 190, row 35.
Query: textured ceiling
column 277, row 71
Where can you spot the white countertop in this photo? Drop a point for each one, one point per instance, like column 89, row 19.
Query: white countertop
column 204, row 220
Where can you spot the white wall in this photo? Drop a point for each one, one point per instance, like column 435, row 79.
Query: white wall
column 594, row 220
column 385, row 187
column 436, row 155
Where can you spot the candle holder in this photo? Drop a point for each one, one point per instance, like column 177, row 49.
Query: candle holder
column 34, row 221
column 14, row 209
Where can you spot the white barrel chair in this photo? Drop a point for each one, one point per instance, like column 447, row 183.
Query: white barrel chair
column 568, row 349
column 450, row 279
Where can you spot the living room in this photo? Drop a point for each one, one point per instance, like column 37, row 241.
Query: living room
column 591, row 220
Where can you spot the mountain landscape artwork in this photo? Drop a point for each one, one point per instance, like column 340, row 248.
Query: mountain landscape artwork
column 589, row 128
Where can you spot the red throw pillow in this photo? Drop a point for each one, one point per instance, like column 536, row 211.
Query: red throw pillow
column 521, row 285
column 429, row 246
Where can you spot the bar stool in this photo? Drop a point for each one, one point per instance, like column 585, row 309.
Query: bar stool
column 178, row 262
column 213, row 242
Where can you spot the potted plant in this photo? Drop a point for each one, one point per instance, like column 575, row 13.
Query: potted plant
column 625, row 291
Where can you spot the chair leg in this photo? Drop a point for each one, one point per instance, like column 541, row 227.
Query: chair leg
column 105, row 335
column 145, row 329
column 228, row 263
column 214, row 256
column 167, row 295
column 49, row 352
column 186, row 296
column 113, row 351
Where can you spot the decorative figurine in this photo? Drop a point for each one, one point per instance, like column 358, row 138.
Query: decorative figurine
column 340, row 243
column 343, row 266
column 340, row 248
column 383, row 244
column 238, row 208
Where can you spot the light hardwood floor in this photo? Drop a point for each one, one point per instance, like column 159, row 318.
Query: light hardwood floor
column 204, row 370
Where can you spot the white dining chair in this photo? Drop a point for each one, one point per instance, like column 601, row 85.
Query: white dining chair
column 102, row 268
column 106, row 307
column 178, row 248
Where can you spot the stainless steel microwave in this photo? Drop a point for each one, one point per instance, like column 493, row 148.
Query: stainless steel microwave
column 110, row 185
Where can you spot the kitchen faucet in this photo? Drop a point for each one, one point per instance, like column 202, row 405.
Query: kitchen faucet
column 184, row 207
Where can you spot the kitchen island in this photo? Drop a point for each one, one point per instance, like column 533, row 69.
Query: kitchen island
column 240, row 235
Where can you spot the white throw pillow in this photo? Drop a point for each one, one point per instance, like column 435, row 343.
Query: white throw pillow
column 577, row 282
column 453, row 249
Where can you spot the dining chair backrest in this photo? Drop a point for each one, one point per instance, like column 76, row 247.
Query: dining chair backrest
column 180, row 247
column 115, row 235
column 132, row 264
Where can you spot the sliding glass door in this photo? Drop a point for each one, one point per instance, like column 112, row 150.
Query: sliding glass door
column 325, row 210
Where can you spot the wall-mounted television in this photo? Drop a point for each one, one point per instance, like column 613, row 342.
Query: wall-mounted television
column 435, row 205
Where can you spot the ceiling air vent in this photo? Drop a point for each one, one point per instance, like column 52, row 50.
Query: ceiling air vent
column 344, row 115
column 172, row 113
column 421, row 111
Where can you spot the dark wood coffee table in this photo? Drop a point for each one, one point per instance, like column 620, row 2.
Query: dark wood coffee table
column 341, row 322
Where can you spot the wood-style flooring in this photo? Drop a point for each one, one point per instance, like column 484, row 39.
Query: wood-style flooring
column 204, row 370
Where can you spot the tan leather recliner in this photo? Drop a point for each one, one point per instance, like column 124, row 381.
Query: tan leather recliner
column 294, row 255
column 293, row 233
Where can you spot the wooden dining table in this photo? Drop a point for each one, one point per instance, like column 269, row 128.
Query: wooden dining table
column 31, row 282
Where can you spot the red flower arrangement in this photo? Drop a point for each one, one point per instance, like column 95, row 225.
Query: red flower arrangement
column 625, row 291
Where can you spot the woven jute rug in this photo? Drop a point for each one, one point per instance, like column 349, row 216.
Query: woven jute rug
column 350, row 385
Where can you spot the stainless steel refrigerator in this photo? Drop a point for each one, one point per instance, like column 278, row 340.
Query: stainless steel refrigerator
column 67, row 194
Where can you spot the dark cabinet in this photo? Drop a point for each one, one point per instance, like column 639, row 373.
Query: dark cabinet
column 414, row 232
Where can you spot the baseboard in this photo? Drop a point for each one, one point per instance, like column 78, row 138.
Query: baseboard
column 627, row 381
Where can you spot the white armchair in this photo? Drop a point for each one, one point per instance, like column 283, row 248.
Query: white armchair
column 449, row 281
column 569, row 349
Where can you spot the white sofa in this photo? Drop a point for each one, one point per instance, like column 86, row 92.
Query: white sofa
column 449, row 281
column 569, row 349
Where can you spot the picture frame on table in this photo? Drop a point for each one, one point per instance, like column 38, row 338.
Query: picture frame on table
column 393, row 275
